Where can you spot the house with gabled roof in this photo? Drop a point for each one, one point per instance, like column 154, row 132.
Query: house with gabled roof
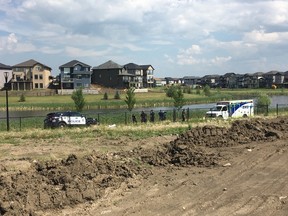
column 192, row 81
column 274, row 78
column 137, row 74
column 110, row 74
column 148, row 76
column 75, row 74
column 114, row 75
column 210, row 80
column 3, row 69
column 30, row 75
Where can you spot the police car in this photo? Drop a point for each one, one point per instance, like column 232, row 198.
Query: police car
column 63, row 119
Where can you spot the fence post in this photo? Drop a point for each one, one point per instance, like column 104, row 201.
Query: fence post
column 174, row 115
column 277, row 109
column 125, row 118
column 188, row 114
column 267, row 110
column 98, row 116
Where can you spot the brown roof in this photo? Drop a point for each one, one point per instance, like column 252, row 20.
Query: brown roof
column 29, row 63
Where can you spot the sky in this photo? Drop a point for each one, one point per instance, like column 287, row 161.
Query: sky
column 177, row 37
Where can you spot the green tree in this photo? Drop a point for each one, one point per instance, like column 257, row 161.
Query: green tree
column 130, row 98
column 263, row 102
column 170, row 91
column 207, row 90
column 178, row 98
column 79, row 100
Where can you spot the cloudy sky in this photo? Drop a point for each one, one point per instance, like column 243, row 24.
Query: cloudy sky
column 177, row 37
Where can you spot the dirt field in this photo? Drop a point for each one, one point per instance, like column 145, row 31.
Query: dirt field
column 240, row 170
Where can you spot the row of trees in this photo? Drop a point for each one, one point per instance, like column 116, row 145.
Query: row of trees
column 79, row 100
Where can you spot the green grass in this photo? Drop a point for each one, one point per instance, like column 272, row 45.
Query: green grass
column 153, row 98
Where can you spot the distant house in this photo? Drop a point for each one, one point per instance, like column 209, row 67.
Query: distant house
column 5, row 68
column 274, row 78
column 137, row 75
column 191, row 80
column 210, row 80
column 113, row 75
column 148, row 76
column 158, row 82
column 228, row 80
column 174, row 81
column 30, row 75
column 75, row 74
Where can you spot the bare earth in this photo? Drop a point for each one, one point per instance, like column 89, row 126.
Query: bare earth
column 241, row 170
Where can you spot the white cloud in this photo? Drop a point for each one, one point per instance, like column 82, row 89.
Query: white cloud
column 222, row 32
column 260, row 36
column 220, row 60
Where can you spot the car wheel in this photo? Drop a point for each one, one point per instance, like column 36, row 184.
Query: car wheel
column 62, row 124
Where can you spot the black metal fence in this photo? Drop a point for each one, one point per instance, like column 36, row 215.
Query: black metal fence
column 110, row 118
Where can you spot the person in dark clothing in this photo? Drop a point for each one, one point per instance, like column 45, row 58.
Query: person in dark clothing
column 134, row 120
column 152, row 116
column 143, row 117
column 160, row 115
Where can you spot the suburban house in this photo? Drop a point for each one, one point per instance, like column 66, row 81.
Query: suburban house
column 30, row 75
column 113, row 75
column 110, row 74
column 174, row 81
column 211, row 80
column 75, row 74
column 191, row 81
column 148, row 76
column 228, row 80
column 3, row 69
column 137, row 75
column 158, row 82
column 274, row 78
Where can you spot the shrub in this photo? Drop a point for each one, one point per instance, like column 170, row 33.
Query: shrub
column 78, row 99
column 105, row 96
column 117, row 95
column 22, row 98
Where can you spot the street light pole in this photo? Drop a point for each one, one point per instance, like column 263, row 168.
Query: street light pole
column 7, row 109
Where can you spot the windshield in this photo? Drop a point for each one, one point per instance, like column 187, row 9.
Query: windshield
column 216, row 108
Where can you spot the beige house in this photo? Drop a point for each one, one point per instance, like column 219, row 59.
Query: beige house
column 30, row 75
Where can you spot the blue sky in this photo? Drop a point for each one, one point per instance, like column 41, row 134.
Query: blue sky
column 177, row 37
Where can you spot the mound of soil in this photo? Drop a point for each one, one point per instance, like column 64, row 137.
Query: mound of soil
column 56, row 184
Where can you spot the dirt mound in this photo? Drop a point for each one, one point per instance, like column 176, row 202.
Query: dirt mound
column 55, row 184
column 198, row 146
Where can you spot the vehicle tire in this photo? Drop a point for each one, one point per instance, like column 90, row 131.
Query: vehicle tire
column 61, row 124
column 220, row 117
column 245, row 116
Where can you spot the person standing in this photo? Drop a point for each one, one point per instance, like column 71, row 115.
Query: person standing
column 143, row 117
column 134, row 120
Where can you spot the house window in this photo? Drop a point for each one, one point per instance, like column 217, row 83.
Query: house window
column 41, row 85
column 38, row 68
column 36, row 85
column 40, row 76
column 36, row 76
